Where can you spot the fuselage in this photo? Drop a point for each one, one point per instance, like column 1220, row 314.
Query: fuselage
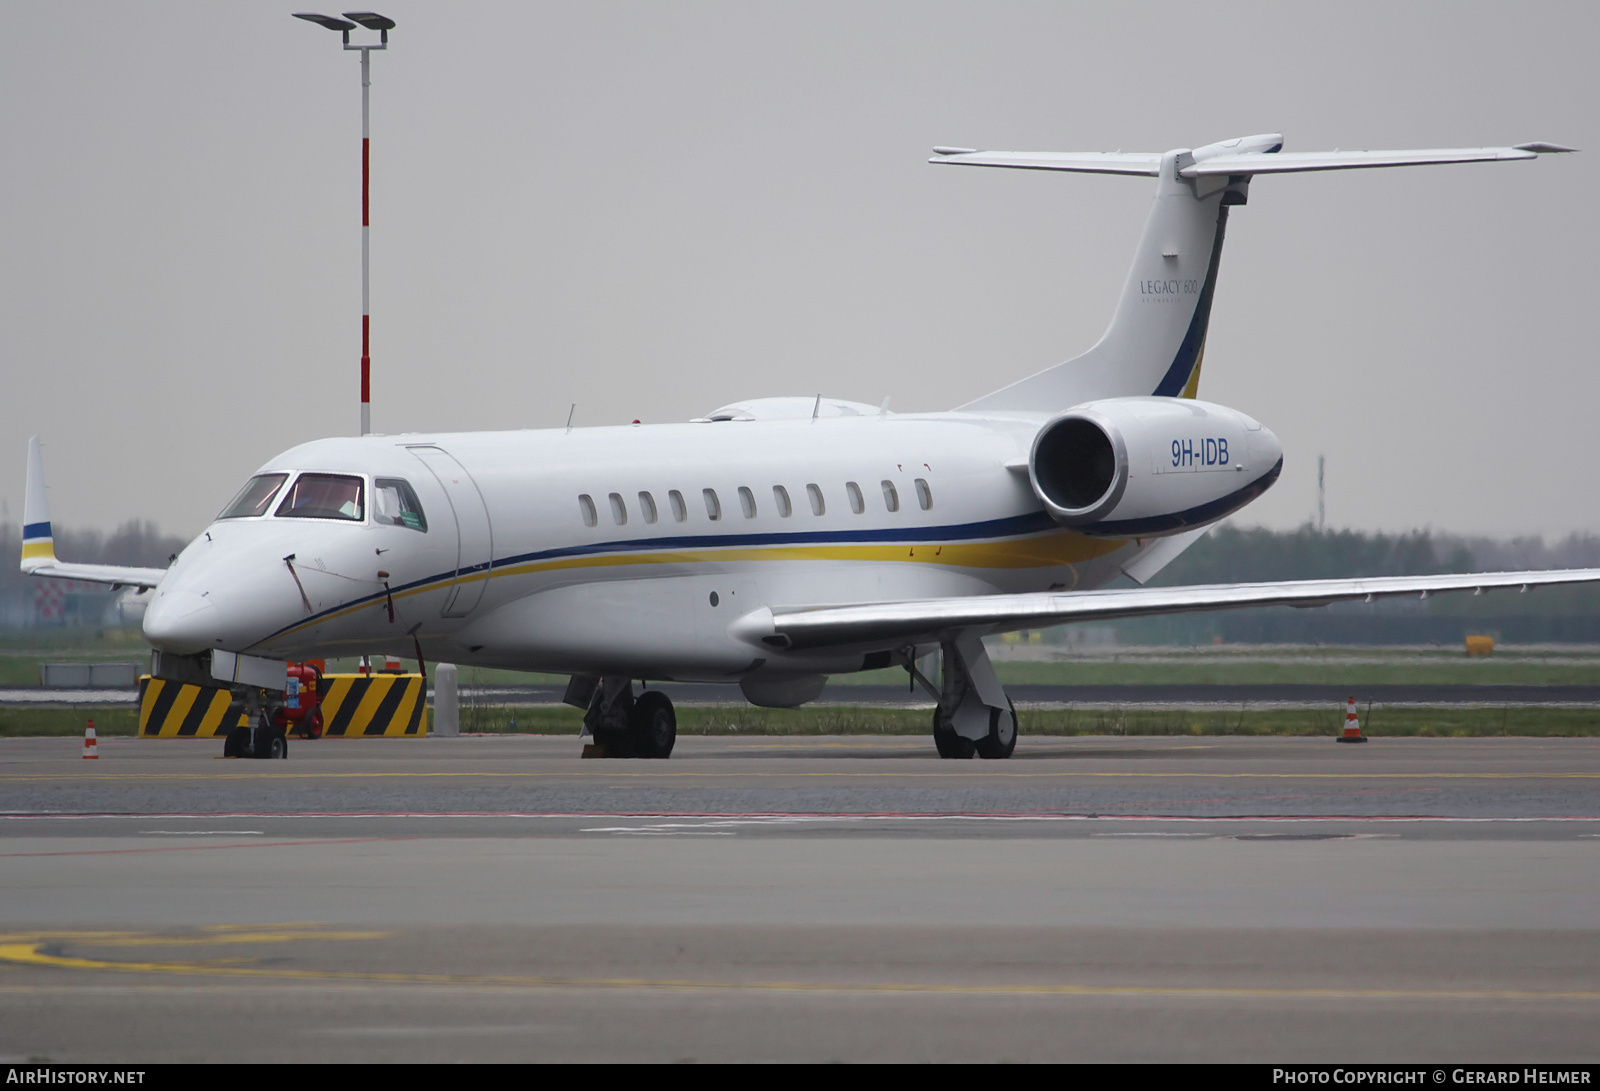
column 625, row 550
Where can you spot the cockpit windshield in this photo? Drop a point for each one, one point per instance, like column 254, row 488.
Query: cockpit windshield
column 324, row 496
column 255, row 497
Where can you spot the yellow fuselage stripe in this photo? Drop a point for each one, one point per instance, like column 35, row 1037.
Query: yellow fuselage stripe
column 1035, row 552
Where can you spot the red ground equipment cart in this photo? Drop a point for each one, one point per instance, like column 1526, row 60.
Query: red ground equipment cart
column 301, row 711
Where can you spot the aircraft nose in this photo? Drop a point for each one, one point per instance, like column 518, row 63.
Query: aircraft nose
column 183, row 622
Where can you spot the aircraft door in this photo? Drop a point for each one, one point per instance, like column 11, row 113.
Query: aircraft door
column 474, row 533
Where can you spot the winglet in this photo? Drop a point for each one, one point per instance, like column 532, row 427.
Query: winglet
column 38, row 544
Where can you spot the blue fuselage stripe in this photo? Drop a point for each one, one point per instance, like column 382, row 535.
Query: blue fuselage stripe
column 1011, row 526
column 1194, row 339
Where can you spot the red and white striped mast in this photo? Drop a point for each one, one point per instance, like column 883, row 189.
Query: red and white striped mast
column 371, row 20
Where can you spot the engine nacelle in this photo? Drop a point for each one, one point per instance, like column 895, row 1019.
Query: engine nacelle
column 1148, row 467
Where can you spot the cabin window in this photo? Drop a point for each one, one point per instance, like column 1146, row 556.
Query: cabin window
column 780, row 500
column 647, row 507
column 814, row 494
column 255, row 497
column 924, row 495
column 857, row 504
column 713, row 505
column 619, row 510
column 891, row 499
column 394, row 503
column 324, row 496
column 586, row 509
column 747, row 502
column 680, row 510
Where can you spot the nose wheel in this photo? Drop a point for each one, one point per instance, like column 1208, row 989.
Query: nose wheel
column 255, row 742
column 264, row 740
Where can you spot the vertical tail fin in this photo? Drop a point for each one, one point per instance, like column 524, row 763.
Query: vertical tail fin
column 1157, row 337
column 38, row 544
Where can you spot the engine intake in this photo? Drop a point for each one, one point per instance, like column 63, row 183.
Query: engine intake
column 1079, row 467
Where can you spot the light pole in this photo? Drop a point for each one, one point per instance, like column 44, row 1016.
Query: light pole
column 371, row 20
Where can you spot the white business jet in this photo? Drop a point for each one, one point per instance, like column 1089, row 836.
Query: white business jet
column 777, row 541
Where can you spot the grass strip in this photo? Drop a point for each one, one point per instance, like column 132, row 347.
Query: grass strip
column 68, row 721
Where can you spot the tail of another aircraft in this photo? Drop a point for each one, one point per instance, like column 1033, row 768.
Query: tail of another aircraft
column 39, row 546
column 38, row 543
column 1157, row 337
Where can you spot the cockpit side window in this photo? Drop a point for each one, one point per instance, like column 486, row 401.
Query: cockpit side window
column 324, row 496
column 394, row 503
column 255, row 497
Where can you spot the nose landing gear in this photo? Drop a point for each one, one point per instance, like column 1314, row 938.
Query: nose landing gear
column 265, row 739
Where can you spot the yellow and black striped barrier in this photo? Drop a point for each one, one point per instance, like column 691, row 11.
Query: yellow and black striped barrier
column 353, row 706
column 373, row 705
column 169, row 710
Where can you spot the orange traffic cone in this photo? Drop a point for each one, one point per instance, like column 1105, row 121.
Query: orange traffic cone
column 1352, row 726
column 89, row 750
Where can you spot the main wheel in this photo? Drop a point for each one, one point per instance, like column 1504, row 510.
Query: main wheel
column 237, row 742
column 1002, row 737
column 947, row 742
column 653, row 725
column 277, row 747
column 614, row 741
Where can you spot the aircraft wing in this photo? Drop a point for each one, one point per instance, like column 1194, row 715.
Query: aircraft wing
column 933, row 620
column 116, row 575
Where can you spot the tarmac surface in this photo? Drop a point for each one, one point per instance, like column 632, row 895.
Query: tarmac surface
column 498, row 898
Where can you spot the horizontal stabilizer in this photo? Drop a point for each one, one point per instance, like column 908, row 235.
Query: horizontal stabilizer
column 891, row 624
column 1296, row 162
column 1145, row 163
column 1214, row 159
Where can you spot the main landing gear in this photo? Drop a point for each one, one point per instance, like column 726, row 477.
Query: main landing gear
column 627, row 726
column 973, row 714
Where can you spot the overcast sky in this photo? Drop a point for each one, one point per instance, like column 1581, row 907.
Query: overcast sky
column 652, row 209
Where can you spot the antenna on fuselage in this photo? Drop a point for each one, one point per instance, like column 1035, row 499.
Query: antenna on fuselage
column 816, row 407
column 570, row 413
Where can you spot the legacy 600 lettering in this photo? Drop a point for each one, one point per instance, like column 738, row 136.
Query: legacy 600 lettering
column 1173, row 286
